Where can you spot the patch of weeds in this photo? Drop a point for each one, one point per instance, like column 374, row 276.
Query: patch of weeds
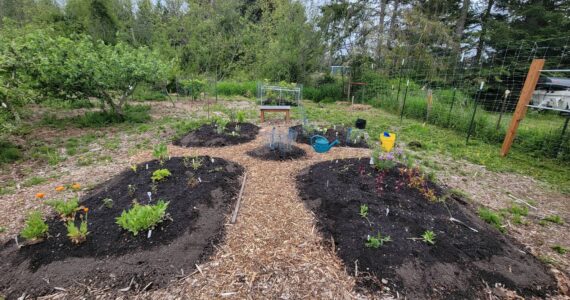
column 516, row 209
column 556, row 219
column 86, row 160
column 112, row 144
column 65, row 208
column 429, row 237
column 545, row 259
column 34, row 181
column 36, row 228
column 492, row 218
column 559, row 249
column 2, row 229
column 9, row 152
column 6, row 190
column 160, row 174
column 377, row 241
column 142, row 217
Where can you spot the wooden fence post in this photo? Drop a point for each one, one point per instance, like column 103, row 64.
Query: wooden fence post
column 524, row 99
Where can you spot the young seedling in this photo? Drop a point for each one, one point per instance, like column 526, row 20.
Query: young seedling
column 364, row 212
column 108, row 202
column 35, row 229
column 134, row 168
column 142, row 217
column 377, row 241
column 492, row 218
column 429, row 237
column 160, row 174
column 196, row 163
column 77, row 235
column 65, row 208
column 160, row 152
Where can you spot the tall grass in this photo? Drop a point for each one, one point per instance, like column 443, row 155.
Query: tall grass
column 231, row 88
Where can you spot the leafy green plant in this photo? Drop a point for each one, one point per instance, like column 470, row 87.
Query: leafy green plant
column 240, row 115
column 364, row 210
column 77, row 234
column 377, row 241
column 65, row 208
column 134, row 168
column 429, row 237
column 160, row 174
column 559, row 249
column 492, row 218
column 556, row 219
column 221, row 125
column 35, row 228
column 160, row 152
column 108, row 202
column 196, row 163
column 142, row 217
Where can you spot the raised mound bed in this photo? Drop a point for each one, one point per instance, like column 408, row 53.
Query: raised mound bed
column 208, row 136
column 199, row 195
column 336, row 132
column 278, row 153
column 467, row 254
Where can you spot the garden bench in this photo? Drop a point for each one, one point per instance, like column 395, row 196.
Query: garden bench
column 275, row 108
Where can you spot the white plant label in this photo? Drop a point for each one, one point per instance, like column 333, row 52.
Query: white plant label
column 149, row 196
column 146, row 166
column 149, row 234
column 200, row 179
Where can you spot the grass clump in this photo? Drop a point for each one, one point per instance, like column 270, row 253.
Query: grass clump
column 9, row 152
column 142, row 217
column 492, row 218
column 559, row 249
column 36, row 228
column 160, row 174
column 556, row 219
column 65, row 208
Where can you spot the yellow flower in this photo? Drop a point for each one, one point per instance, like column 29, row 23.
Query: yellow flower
column 60, row 188
column 76, row 186
column 40, row 195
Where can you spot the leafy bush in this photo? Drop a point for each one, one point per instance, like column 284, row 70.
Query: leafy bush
column 193, row 87
column 492, row 218
column 65, row 208
column 35, row 227
column 142, row 217
column 329, row 92
column 160, row 174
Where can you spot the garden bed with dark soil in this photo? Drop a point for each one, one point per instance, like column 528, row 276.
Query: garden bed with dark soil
column 278, row 153
column 459, row 265
column 332, row 133
column 199, row 202
column 207, row 136
column 276, row 101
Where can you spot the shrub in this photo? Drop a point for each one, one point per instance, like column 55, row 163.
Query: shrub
column 142, row 217
column 145, row 92
column 492, row 218
column 65, row 208
column 35, row 227
column 160, row 174
column 193, row 87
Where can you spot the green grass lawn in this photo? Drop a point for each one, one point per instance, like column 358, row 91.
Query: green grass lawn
column 436, row 140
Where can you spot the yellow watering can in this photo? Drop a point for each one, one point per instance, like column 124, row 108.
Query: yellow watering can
column 387, row 141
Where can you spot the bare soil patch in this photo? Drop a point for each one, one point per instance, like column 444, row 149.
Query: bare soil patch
column 207, row 136
column 461, row 264
column 278, row 152
column 111, row 258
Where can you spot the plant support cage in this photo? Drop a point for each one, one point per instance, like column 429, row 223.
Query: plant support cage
column 271, row 94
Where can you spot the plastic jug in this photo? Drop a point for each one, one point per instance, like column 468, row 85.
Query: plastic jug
column 387, row 141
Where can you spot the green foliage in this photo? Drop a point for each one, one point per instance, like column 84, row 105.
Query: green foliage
column 146, row 92
column 518, row 210
column 559, row 249
column 240, row 116
column 193, row 87
column 160, row 152
column 329, row 92
column 429, row 237
column 160, row 174
column 377, row 241
column 108, row 202
column 556, row 219
column 77, row 235
column 34, row 181
column 9, row 153
column 228, row 88
column 35, row 227
column 142, row 217
column 492, row 218
column 65, row 208
column 364, row 211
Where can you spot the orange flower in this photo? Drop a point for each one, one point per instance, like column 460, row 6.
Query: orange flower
column 76, row 186
column 60, row 188
column 40, row 195
column 86, row 209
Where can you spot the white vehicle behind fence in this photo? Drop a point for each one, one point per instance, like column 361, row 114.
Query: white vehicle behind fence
column 552, row 93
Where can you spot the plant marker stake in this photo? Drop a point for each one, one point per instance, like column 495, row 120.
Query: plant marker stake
column 387, row 211
column 212, row 159
column 371, row 160
column 149, row 196
column 147, row 166
column 234, row 215
column 200, row 179
column 149, row 234
column 474, row 112
column 327, row 183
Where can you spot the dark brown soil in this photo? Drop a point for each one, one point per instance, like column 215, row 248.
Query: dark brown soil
column 276, row 101
column 279, row 153
column 206, row 136
column 458, row 266
column 199, row 201
column 337, row 132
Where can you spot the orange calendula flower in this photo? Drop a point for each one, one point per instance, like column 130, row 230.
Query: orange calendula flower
column 60, row 188
column 76, row 186
column 86, row 209
column 40, row 195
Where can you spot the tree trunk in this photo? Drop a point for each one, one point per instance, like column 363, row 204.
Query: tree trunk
column 484, row 23
column 460, row 26
column 381, row 17
column 393, row 21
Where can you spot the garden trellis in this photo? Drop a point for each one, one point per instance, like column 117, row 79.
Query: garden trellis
column 269, row 94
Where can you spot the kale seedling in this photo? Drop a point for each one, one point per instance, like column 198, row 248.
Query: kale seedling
column 377, row 241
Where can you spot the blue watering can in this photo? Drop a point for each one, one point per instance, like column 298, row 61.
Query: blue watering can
column 321, row 144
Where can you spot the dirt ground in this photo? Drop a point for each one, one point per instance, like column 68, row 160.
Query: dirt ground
column 274, row 250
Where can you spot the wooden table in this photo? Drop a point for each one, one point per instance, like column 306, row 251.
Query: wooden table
column 275, row 108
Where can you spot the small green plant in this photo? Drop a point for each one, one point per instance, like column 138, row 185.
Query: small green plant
column 364, row 211
column 142, row 217
column 134, row 168
column 108, row 202
column 492, row 218
column 131, row 189
column 160, row 152
column 221, row 125
column 2, row 229
column 65, row 208
column 556, row 219
column 196, row 163
column 518, row 210
column 237, row 129
column 160, row 174
column 77, row 235
column 429, row 237
column 559, row 249
column 377, row 241
column 35, row 228
column 240, row 115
